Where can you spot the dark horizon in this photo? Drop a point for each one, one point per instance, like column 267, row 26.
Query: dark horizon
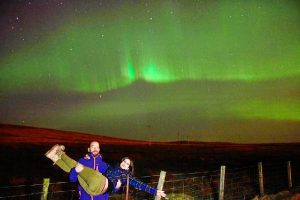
column 181, row 158
column 155, row 70
column 10, row 133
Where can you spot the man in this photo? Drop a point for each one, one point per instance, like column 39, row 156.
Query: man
column 93, row 160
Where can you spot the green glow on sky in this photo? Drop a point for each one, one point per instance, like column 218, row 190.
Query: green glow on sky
column 188, row 61
column 233, row 41
column 131, row 72
column 283, row 110
column 155, row 73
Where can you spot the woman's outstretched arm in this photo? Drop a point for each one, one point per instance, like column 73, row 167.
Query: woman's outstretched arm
column 145, row 187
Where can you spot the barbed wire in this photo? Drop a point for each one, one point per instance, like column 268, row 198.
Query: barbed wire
column 240, row 183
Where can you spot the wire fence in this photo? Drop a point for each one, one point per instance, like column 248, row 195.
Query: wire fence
column 239, row 183
column 57, row 190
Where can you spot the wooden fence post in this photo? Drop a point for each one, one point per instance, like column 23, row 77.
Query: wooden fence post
column 222, row 183
column 161, row 182
column 46, row 182
column 289, row 170
column 261, row 179
column 127, row 187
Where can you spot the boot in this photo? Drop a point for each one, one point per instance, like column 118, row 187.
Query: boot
column 55, row 152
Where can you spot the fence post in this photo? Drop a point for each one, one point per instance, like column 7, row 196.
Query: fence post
column 222, row 183
column 46, row 182
column 127, row 187
column 261, row 179
column 289, row 169
column 183, row 189
column 161, row 182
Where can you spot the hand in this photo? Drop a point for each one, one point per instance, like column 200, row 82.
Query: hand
column 79, row 167
column 118, row 184
column 160, row 193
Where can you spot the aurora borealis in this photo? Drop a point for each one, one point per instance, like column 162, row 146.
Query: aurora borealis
column 224, row 71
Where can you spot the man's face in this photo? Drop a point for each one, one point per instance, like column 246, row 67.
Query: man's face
column 95, row 148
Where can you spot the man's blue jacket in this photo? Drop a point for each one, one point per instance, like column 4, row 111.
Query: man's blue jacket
column 95, row 163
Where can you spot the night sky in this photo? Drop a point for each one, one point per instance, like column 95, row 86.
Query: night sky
column 203, row 70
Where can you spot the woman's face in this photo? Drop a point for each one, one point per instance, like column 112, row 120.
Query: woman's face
column 125, row 164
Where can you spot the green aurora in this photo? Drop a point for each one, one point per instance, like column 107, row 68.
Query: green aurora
column 161, row 70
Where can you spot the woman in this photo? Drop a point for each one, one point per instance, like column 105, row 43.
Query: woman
column 92, row 181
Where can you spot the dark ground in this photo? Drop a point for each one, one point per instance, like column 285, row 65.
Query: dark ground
column 23, row 162
column 26, row 164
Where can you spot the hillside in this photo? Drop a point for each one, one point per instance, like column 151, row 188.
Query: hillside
column 14, row 134
column 30, row 135
column 26, row 146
